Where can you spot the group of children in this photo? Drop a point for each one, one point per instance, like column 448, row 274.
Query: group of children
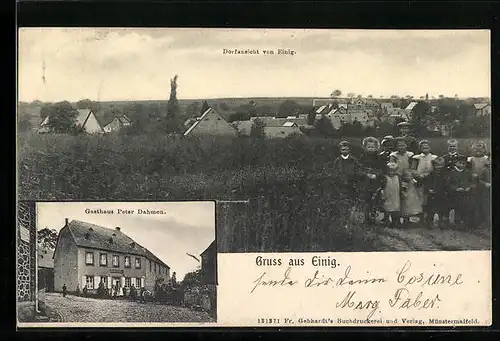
column 412, row 187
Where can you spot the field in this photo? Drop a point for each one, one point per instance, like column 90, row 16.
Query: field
column 293, row 199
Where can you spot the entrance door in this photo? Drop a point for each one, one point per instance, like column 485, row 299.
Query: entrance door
column 116, row 283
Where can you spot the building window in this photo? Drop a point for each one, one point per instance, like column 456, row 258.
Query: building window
column 127, row 282
column 89, row 258
column 116, row 261
column 150, row 266
column 155, row 267
column 89, row 280
column 103, row 259
column 104, row 281
column 138, row 283
column 127, row 261
column 137, row 263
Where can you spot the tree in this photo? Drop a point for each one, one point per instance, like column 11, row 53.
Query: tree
column 357, row 128
column 351, row 94
column 172, row 120
column 47, row 239
column 336, row 93
column 288, row 108
column 192, row 109
column 421, row 117
column 257, row 129
column 224, row 106
column 192, row 279
column 204, row 107
column 441, row 96
column 249, row 108
column 394, row 96
column 311, row 117
column 386, row 128
column 360, row 96
column 370, row 96
column 62, row 117
column 239, row 116
column 324, row 126
column 24, row 123
column 83, row 104
column 88, row 104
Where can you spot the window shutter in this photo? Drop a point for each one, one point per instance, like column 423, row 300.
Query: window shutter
column 123, row 282
column 97, row 280
column 84, row 282
column 142, row 282
column 109, row 282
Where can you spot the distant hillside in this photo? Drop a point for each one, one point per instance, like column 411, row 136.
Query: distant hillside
column 256, row 106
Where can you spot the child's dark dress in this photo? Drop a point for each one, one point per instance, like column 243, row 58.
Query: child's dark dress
column 438, row 193
column 371, row 163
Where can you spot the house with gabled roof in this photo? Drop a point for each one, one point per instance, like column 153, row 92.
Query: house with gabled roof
column 482, row 109
column 363, row 103
column 208, row 264
column 85, row 118
column 117, row 123
column 88, row 254
column 211, row 123
column 45, row 268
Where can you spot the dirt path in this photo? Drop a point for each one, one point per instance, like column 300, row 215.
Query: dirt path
column 80, row 309
column 428, row 239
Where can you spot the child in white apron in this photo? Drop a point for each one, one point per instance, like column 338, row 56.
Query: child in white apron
column 410, row 202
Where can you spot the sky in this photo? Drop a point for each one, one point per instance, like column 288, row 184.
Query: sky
column 186, row 226
column 137, row 64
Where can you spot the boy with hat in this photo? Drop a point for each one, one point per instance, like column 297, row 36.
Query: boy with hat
column 346, row 169
column 388, row 146
column 452, row 154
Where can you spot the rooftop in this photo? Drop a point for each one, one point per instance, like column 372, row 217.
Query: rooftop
column 98, row 237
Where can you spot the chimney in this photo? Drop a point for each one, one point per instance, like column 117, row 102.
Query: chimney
column 67, row 222
column 117, row 228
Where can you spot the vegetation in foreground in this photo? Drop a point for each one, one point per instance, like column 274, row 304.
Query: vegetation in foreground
column 294, row 201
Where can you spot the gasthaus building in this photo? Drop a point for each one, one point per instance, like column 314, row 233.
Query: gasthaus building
column 88, row 254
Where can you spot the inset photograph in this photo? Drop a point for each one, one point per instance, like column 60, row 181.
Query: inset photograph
column 113, row 262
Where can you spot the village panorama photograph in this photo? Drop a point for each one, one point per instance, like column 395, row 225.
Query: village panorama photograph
column 359, row 140
column 111, row 262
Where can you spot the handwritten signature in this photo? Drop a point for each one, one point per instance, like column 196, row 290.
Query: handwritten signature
column 402, row 298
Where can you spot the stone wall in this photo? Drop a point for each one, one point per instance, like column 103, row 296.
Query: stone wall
column 26, row 261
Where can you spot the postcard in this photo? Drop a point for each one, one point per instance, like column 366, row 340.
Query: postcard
column 253, row 177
